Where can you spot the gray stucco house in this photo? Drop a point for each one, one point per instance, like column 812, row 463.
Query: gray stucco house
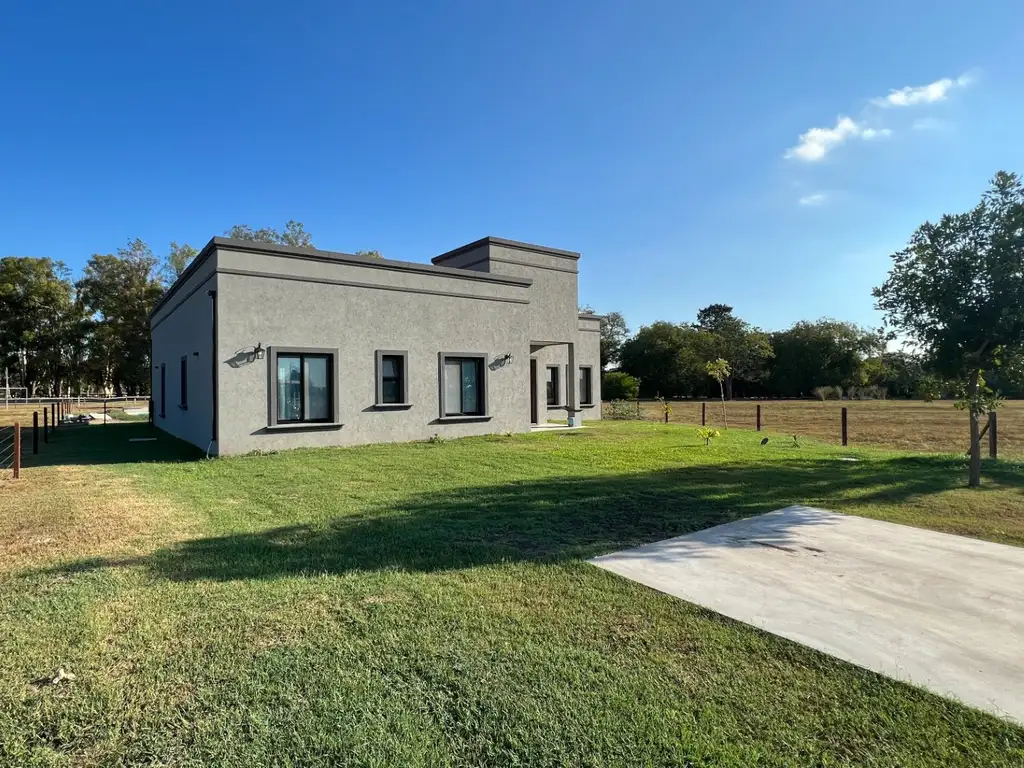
column 268, row 347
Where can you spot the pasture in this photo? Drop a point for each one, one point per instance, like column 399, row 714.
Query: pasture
column 910, row 425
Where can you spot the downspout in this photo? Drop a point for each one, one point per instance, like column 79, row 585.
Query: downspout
column 214, row 356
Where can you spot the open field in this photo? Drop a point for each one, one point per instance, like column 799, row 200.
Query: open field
column 904, row 424
column 22, row 412
column 428, row 604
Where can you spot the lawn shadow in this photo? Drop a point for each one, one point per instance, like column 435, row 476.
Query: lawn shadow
column 120, row 443
column 552, row 519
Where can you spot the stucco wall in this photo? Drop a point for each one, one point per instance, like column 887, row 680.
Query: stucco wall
column 184, row 327
column 588, row 352
column 373, row 309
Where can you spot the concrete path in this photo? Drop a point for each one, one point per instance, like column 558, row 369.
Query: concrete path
column 943, row 612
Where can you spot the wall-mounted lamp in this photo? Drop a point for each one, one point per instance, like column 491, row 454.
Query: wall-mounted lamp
column 259, row 352
column 507, row 358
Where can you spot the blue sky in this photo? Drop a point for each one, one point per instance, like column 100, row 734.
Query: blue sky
column 660, row 139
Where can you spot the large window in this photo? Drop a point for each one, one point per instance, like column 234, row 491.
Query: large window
column 463, row 386
column 586, row 393
column 183, row 401
column 553, row 389
column 392, row 377
column 303, row 386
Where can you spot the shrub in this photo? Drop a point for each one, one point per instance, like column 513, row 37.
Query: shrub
column 828, row 393
column 707, row 434
column 616, row 385
column 872, row 392
column 621, row 409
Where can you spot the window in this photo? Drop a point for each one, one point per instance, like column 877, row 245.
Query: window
column 553, row 388
column 392, row 378
column 302, row 386
column 586, row 393
column 183, row 402
column 463, row 385
column 163, row 391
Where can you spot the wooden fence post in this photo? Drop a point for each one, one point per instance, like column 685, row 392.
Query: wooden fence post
column 993, row 440
column 35, row 432
column 17, row 450
column 53, row 415
column 104, row 412
column 46, row 425
column 758, row 417
column 703, row 414
column 845, row 433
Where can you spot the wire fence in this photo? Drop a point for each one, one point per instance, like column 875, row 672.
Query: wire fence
column 899, row 424
column 26, row 428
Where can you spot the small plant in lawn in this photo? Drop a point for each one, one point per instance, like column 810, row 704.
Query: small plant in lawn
column 720, row 370
column 707, row 434
column 435, row 439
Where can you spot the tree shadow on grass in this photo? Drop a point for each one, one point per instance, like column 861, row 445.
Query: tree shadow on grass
column 553, row 519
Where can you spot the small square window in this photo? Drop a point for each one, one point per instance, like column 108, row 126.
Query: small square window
column 392, row 377
column 586, row 393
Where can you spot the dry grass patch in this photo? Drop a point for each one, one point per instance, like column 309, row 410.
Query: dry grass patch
column 61, row 513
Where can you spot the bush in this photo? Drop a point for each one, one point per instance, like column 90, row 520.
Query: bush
column 872, row 392
column 828, row 393
column 621, row 409
column 616, row 385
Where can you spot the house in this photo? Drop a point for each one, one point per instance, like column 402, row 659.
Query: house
column 266, row 347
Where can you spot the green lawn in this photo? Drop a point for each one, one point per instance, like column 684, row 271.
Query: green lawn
column 428, row 604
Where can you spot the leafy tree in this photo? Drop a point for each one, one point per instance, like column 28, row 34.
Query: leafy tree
column 614, row 333
column 294, row 234
column 668, row 359
column 119, row 292
column 40, row 324
column 720, row 370
column 747, row 348
column 178, row 259
column 616, row 385
column 957, row 290
column 827, row 353
column 370, row 254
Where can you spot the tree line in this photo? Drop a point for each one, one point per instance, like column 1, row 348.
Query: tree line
column 62, row 336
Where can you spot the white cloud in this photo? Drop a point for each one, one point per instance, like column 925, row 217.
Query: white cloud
column 818, row 142
column 922, row 94
column 818, row 198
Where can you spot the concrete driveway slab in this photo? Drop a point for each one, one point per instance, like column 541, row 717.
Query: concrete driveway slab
column 943, row 612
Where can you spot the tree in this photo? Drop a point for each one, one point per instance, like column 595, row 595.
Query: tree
column 40, row 324
column 119, row 292
column 294, row 234
column 957, row 290
column 178, row 259
column 720, row 370
column 370, row 254
column 616, row 385
column 614, row 333
column 668, row 359
column 826, row 353
column 747, row 348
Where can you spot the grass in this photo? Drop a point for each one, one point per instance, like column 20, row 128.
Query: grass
column 427, row 604
column 909, row 425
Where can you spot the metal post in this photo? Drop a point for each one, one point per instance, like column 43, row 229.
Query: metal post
column 35, row 432
column 758, row 417
column 17, row 450
column 46, row 425
column 993, row 446
column 703, row 414
column 845, row 434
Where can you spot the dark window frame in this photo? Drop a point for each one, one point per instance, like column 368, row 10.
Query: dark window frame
column 163, row 390
column 183, row 374
column 403, row 378
column 589, row 401
column 555, row 385
column 333, row 405
column 483, row 394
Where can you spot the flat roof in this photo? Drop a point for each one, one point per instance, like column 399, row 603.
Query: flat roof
column 509, row 244
column 315, row 254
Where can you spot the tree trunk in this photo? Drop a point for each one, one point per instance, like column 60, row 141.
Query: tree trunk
column 974, row 480
column 725, row 415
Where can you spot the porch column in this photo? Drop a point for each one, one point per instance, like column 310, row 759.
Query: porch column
column 571, row 405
